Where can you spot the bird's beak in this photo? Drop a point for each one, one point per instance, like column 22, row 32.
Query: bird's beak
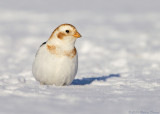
column 77, row 35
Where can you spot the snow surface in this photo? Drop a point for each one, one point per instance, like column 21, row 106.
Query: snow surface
column 119, row 57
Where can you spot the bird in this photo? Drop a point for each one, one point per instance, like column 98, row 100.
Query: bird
column 56, row 61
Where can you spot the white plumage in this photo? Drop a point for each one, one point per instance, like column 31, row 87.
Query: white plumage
column 56, row 62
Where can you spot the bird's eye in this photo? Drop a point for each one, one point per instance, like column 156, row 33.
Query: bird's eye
column 67, row 31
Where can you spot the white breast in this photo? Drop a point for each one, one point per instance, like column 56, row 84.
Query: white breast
column 51, row 69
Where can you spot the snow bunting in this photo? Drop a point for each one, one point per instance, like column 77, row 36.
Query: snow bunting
column 56, row 62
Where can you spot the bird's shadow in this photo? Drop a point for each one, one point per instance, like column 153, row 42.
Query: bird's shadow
column 86, row 81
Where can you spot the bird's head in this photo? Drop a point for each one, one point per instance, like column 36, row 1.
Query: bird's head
column 64, row 35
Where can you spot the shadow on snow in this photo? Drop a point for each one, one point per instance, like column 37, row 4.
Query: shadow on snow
column 85, row 81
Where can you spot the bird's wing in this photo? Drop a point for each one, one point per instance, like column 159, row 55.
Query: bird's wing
column 43, row 44
column 40, row 46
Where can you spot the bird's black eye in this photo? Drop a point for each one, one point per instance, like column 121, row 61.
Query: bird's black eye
column 67, row 31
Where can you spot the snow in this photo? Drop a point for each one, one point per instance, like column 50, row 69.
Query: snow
column 119, row 57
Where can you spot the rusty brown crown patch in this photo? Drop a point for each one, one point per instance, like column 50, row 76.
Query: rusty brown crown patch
column 52, row 49
column 63, row 33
